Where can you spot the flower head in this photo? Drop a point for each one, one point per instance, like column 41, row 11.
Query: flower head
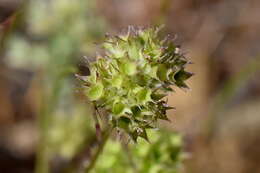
column 133, row 78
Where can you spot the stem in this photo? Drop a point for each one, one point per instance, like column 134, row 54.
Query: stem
column 42, row 156
column 99, row 150
column 48, row 105
column 130, row 158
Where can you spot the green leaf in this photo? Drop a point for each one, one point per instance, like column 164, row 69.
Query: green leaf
column 144, row 95
column 124, row 122
column 128, row 68
column 147, row 68
column 181, row 84
column 116, row 81
column 118, row 108
column 153, row 73
column 162, row 116
column 158, row 96
column 95, row 92
column 141, row 80
column 136, row 111
column 162, row 72
column 134, row 51
column 134, row 135
column 182, row 75
column 142, row 133
column 114, row 50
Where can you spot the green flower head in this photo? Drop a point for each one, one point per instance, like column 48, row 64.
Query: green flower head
column 133, row 78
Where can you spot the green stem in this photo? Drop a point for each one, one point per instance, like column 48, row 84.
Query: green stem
column 130, row 158
column 48, row 105
column 101, row 144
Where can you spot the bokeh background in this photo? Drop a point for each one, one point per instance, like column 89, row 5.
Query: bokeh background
column 219, row 117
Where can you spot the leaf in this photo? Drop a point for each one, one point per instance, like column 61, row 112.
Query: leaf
column 134, row 52
column 142, row 133
column 157, row 96
column 116, row 81
column 162, row 116
column 136, row 111
column 141, row 80
column 162, row 72
column 114, row 50
column 118, row 108
column 153, row 72
column 181, row 61
column 181, row 84
column 147, row 68
column 182, row 75
column 167, row 89
column 144, row 95
column 128, row 68
column 95, row 92
column 124, row 122
column 134, row 135
column 139, row 132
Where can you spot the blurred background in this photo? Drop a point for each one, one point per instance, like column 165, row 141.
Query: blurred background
column 42, row 112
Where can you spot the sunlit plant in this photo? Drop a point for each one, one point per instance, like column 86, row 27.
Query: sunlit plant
column 164, row 154
column 133, row 77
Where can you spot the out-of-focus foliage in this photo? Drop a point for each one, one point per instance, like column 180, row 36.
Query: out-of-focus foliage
column 56, row 32
column 134, row 76
column 51, row 38
column 66, row 133
column 162, row 155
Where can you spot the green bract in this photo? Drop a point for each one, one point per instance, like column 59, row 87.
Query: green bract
column 131, row 80
column 95, row 91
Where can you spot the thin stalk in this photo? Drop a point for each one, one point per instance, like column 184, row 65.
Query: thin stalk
column 101, row 144
column 47, row 107
column 130, row 158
